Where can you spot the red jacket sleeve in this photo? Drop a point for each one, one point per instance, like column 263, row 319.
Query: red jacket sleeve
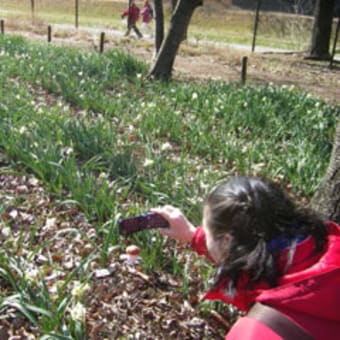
column 198, row 243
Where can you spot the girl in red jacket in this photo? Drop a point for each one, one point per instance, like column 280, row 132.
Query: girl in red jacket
column 276, row 261
column 133, row 15
column 147, row 16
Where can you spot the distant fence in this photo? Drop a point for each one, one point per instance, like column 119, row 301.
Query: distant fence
column 285, row 27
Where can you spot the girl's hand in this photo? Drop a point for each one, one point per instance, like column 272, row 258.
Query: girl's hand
column 180, row 228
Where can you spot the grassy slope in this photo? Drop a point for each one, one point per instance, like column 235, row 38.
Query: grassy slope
column 90, row 128
column 213, row 21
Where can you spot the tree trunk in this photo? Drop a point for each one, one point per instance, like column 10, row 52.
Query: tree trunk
column 162, row 68
column 173, row 6
column 159, row 22
column 326, row 200
column 322, row 29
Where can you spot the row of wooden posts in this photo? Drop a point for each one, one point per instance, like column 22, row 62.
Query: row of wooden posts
column 49, row 35
column 102, row 42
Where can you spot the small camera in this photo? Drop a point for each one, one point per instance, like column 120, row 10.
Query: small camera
column 134, row 224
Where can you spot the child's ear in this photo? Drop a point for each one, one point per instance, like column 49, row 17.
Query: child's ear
column 226, row 242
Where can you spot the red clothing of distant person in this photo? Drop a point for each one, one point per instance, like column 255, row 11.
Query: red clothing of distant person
column 308, row 293
column 133, row 15
column 147, row 13
column 133, row 11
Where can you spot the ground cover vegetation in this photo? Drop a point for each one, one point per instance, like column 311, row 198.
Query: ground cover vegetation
column 216, row 21
column 97, row 142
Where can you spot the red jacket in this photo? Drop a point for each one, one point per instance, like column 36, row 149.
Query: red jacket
column 133, row 12
column 308, row 293
column 147, row 13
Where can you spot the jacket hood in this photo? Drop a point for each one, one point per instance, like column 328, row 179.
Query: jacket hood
column 314, row 289
column 310, row 285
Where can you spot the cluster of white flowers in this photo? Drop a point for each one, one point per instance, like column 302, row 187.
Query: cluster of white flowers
column 78, row 312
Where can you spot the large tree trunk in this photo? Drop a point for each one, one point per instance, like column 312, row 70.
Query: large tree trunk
column 327, row 198
column 173, row 6
column 322, row 29
column 159, row 30
column 162, row 68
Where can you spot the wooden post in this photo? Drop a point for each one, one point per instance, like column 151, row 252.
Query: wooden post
column 102, row 40
column 244, row 70
column 49, row 33
column 77, row 13
column 32, row 11
column 2, row 25
column 256, row 23
column 334, row 44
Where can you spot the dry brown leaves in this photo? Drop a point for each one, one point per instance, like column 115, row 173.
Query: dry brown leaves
column 122, row 301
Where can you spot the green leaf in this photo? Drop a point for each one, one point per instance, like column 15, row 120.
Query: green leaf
column 39, row 310
column 23, row 310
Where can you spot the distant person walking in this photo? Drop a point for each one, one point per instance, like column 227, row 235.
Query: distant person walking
column 133, row 15
column 147, row 16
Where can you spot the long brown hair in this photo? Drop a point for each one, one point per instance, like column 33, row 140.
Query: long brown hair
column 256, row 212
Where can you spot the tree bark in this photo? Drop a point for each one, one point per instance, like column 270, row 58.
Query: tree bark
column 173, row 6
column 162, row 68
column 326, row 200
column 159, row 22
column 322, row 29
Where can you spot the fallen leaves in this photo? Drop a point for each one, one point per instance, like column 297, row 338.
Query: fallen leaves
column 117, row 300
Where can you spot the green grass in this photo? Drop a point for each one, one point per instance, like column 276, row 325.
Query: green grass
column 114, row 144
column 208, row 125
column 219, row 25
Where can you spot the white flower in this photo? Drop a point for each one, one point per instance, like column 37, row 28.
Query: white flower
column 31, row 274
column 50, row 222
column 79, row 289
column 194, row 96
column 67, row 151
column 5, row 233
column 148, row 162
column 78, row 312
column 103, row 176
column 166, row 146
